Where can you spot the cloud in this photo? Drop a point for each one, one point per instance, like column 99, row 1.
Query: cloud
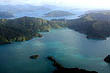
column 12, row 1
column 69, row 3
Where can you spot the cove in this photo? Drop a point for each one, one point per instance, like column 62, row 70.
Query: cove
column 68, row 47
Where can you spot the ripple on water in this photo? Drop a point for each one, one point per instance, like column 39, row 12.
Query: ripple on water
column 69, row 48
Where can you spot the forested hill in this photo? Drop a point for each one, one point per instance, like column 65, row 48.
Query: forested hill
column 94, row 25
column 25, row 28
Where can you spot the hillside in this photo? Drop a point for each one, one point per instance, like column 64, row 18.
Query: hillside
column 25, row 28
column 94, row 25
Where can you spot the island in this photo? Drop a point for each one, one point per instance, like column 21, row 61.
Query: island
column 4, row 14
column 34, row 56
column 107, row 59
column 58, row 13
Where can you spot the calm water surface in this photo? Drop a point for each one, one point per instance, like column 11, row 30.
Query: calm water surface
column 69, row 48
column 41, row 14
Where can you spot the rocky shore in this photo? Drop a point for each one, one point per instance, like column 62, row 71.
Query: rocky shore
column 61, row 69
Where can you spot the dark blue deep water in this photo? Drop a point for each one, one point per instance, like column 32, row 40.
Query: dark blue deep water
column 68, row 47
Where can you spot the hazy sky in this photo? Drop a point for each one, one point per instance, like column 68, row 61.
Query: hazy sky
column 68, row 3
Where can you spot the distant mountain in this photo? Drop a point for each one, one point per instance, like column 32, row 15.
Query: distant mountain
column 22, row 8
column 6, row 14
column 58, row 13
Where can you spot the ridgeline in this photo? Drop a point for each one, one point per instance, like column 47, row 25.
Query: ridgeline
column 24, row 28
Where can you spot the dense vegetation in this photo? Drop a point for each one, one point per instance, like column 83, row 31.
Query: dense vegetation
column 25, row 28
column 94, row 25
column 58, row 13
column 6, row 14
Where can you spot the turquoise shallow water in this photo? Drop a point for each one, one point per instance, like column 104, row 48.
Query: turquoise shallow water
column 68, row 47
